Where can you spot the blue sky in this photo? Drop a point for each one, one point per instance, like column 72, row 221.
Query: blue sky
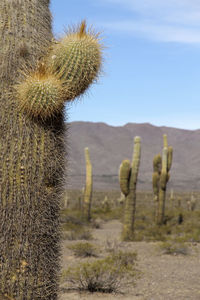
column 151, row 61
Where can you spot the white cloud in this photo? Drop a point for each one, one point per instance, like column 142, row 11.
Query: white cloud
column 163, row 20
column 157, row 32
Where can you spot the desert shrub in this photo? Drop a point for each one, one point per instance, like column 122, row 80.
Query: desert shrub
column 96, row 223
column 112, row 246
column 78, row 234
column 105, row 275
column 106, row 215
column 152, row 232
column 83, row 249
column 174, row 247
column 125, row 259
column 74, row 227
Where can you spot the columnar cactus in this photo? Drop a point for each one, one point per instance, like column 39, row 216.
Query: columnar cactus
column 160, row 178
column 171, row 198
column 88, row 187
column 128, row 179
column 37, row 74
column 191, row 203
column 157, row 164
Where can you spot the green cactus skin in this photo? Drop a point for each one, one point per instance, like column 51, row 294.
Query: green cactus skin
column 130, row 197
column 160, row 179
column 88, row 187
column 31, row 158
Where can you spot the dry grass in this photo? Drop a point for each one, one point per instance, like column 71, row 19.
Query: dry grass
column 83, row 249
column 105, row 275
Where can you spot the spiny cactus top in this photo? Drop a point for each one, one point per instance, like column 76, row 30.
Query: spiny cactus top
column 65, row 73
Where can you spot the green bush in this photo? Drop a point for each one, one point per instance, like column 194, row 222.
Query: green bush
column 174, row 247
column 107, row 215
column 81, row 233
column 112, row 246
column 83, row 249
column 105, row 275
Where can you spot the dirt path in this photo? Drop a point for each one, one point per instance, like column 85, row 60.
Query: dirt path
column 164, row 277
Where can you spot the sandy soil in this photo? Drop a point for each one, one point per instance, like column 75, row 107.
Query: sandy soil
column 164, row 277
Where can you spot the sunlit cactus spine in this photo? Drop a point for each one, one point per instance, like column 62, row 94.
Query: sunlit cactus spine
column 41, row 94
column 68, row 69
column 32, row 133
column 161, row 177
column 88, row 187
column 128, row 174
column 76, row 60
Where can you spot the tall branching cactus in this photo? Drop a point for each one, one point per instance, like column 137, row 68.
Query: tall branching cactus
column 160, row 179
column 88, row 187
column 128, row 179
column 37, row 74
column 157, row 165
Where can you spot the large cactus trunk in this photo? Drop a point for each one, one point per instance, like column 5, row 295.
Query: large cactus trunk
column 31, row 162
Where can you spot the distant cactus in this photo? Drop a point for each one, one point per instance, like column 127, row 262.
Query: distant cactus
column 191, row 203
column 161, row 168
column 35, row 81
column 106, row 204
column 121, row 199
column 88, row 187
column 171, row 198
column 128, row 174
column 157, row 164
column 66, row 201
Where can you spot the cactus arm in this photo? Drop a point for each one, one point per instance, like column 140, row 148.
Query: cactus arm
column 88, row 187
column 169, row 158
column 135, row 162
column 124, row 176
column 67, row 70
column 76, row 60
column 165, row 141
column 157, row 164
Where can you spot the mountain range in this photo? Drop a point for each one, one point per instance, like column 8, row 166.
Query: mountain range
column 109, row 145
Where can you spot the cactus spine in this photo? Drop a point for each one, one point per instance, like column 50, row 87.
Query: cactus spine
column 88, row 187
column 128, row 174
column 160, row 179
column 32, row 96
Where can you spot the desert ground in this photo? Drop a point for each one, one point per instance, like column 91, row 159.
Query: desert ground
column 162, row 274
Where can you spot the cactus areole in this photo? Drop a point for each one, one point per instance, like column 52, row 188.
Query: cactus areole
column 37, row 75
